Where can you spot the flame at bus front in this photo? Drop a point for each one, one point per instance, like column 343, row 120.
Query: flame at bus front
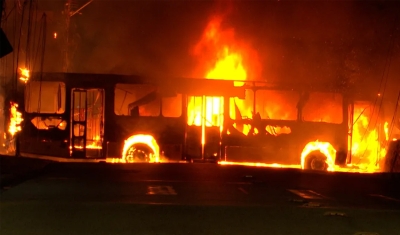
column 367, row 147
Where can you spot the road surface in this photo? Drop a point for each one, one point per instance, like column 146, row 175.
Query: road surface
column 101, row 198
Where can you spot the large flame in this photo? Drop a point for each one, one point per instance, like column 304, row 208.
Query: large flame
column 367, row 150
column 217, row 46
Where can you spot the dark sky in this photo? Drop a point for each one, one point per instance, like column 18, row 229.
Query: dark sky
column 334, row 41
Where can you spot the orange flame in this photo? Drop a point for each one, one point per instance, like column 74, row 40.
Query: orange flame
column 259, row 164
column 367, row 151
column 227, row 64
column 15, row 119
column 24, row 74
column 386, row 129
column 223, row 58
column 143, row 139
column 325, row 148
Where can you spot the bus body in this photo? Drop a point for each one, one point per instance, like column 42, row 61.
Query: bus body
column 101, row 116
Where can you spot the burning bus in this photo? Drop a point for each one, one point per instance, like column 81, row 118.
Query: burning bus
column 121, row 118
column 135, row 119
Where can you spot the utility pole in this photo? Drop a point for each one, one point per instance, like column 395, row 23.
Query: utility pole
column 69, row 12
column 1, row 10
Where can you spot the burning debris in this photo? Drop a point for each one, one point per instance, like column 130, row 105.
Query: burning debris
column 24, row 74
column 15, row 119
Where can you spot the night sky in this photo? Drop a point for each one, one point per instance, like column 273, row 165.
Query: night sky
column 351, row 42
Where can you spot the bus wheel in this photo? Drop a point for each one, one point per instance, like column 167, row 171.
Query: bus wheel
column 316, row 161
column 139, row 153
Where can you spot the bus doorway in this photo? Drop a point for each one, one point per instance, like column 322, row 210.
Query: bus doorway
column 204, row 127
column 87, row 123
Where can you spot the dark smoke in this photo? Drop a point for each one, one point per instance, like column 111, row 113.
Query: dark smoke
column 345, row 42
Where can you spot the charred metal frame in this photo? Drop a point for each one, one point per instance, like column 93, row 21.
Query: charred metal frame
column 172, row 132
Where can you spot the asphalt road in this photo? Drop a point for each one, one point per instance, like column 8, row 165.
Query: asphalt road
column 100, row 198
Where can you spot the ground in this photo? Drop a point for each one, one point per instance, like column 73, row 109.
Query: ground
column 102, row 198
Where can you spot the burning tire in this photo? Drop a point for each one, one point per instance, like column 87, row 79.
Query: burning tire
column 316, row 161
column 139, row 153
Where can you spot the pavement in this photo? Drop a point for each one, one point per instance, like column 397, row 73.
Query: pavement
column 172, row 198
column 14, row 170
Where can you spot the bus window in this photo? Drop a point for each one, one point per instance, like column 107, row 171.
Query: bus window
column 242, row 108
column 278, row 105
column 136, row 100
column 324, row 107
column 45, row 97
column 172, row 106
column 49, row 123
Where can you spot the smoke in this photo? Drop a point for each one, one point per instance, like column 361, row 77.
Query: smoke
column 297, row 41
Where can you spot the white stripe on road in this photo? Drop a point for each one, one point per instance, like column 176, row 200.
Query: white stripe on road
column 306, row 194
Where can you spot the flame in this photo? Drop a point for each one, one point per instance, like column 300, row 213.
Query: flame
column 221, row 56
column 24, row 74
column 216, row 45
column 386, row 129
column 325, row 148
column 143, row 139
column 367, row 150
column 15, row 119
column 259, row 164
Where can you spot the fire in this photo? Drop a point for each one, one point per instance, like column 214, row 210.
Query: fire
column 217, row 46
column 24, row 74
column 386, row 129
column 15, row 119
column 146, row 140
column 228, row 66
column 259, row 164
column 221, row 57
column 366, row 147
column 325, row 148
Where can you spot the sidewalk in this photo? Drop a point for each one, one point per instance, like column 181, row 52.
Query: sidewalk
column 14, row 170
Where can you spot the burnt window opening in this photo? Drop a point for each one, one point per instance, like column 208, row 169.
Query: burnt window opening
column 242, row 108
column 277, row 105
column 45, row 97
column 288, row 105
column 144, row 100
column 47, row 123
column 323, row 107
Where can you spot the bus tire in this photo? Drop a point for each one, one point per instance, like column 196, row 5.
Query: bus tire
column 139, row 153
column 316, row 161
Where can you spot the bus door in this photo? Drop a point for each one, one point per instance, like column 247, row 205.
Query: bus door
column 204, row 127
column 87, row 123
